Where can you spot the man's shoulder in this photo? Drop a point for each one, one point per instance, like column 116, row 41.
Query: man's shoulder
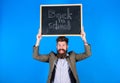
column 71, row 53
column 52, row 53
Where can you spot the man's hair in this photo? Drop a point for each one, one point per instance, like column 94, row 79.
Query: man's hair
column 61, row 39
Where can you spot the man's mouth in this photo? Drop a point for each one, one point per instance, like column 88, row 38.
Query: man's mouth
column 61, row 50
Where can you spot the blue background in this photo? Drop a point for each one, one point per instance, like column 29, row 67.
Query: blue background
column 19, row 24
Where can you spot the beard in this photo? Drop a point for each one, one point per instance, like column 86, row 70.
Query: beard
column 61, row 55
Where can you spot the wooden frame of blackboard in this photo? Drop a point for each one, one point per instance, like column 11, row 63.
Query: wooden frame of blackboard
column 60, row 5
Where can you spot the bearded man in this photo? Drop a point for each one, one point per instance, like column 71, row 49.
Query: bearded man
column 63, row 63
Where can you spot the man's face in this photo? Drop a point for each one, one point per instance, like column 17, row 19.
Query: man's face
column 62, row 47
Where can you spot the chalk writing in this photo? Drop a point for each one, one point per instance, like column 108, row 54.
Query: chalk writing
column 62, row 20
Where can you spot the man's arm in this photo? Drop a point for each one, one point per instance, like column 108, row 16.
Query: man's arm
column 36, row 55
column 87, row 52
column 84, row 55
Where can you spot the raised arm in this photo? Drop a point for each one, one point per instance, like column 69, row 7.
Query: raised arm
column 36, row 55
column 87, row 52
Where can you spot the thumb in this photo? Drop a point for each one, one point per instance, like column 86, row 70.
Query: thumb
column 82, row 29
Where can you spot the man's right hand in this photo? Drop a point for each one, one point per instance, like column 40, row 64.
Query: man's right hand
column 83, row 36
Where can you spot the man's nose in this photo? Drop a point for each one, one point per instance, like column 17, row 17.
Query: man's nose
column 61, row 47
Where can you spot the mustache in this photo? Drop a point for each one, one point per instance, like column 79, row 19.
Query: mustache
column 62, row 50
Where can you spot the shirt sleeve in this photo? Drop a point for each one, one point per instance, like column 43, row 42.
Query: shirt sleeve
column 40, row 57
column 85, row 54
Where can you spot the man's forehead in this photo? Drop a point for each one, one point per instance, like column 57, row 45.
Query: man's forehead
column 61, row 42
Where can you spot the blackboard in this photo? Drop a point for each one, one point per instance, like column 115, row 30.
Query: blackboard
column 61, row 19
